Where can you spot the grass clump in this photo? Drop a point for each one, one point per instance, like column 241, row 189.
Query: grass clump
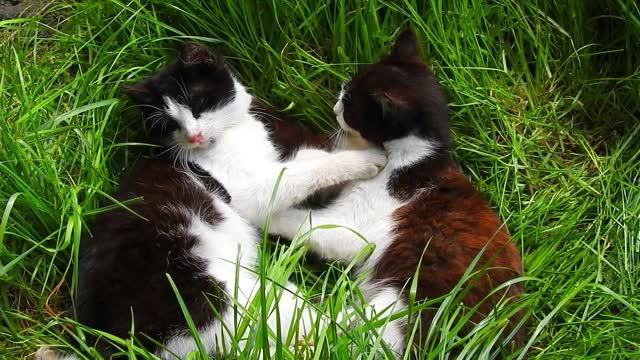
column 544, row 99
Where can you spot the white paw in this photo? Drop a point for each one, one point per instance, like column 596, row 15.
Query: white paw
column 367, row 163
column 377, row 157
column 47, row 353
column 304, row 348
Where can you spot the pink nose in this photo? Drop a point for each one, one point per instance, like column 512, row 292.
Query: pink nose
column 195, row 139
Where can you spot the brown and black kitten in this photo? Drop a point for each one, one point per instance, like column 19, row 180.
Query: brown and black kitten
column 421, row 212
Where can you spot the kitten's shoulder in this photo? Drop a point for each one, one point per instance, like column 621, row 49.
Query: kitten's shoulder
column 286, row 134
column 426, row 174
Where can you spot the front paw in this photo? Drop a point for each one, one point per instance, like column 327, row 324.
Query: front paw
column 376, row 157
column 307, row 154
column 366, row 163
column 47, row 353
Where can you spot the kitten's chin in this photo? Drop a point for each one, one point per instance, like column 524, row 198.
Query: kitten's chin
column 353, row 141
column 186, row 148
column 200, row 147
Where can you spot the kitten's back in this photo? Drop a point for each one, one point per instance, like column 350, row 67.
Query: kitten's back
column 450, row 220
column 123, row 265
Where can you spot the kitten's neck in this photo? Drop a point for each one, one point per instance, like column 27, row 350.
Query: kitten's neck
column 410, row 150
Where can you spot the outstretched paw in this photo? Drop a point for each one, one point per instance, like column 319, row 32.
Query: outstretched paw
column 366, row 164
column 310, row 154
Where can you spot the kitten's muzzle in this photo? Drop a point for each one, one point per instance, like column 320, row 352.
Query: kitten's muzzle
column 195, row 139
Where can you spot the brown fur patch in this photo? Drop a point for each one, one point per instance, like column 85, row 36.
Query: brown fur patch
column 453, row 222
column 287, row 135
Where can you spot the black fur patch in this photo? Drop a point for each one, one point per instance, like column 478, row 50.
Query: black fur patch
column 122, row 267
column 209, row 182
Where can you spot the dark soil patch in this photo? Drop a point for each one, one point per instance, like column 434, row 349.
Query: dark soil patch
column 10, row 9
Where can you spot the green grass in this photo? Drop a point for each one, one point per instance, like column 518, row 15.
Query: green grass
column 544, row 98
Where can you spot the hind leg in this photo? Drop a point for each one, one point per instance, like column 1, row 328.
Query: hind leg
column 49, row 353
column 381, row 304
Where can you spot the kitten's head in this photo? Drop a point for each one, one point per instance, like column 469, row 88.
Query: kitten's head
column 394, row 98
column 192, row 101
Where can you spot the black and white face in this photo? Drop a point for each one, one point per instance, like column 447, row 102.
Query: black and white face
column 190, row 103
column 394, row 98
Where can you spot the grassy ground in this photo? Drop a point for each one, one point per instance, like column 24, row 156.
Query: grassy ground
column 544, row 100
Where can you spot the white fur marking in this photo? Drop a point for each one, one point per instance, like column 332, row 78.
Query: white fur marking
column 384, row 301
column 230, row 248
column 407, row 151
column 338, row 109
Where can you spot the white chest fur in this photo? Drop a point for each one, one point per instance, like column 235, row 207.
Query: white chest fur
column 366, row 208
column 246, row 163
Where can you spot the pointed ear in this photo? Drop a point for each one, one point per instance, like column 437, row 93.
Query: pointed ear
column 140, row 92
column 406, row 47
column 193, row 54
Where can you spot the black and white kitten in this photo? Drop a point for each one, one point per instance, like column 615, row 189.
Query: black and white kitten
column 198, row 229
column 206, row 116
column 425, row 218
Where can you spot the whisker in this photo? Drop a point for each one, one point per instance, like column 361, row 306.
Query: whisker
column 156, row 114
column 264, row 114
column 334, row 135
column 176, row 159
column 185, row 158
column 150, row 106
column 168, row 150
column 340, row 137
column 184, row 96
column 153, row 124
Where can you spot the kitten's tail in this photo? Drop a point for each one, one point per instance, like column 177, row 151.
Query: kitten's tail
column 49, row 353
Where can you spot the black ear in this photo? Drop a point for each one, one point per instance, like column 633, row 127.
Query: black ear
column 396, row 112
column 194, row 54
column 390, row 102
column 406, row 47
column 139, row 93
